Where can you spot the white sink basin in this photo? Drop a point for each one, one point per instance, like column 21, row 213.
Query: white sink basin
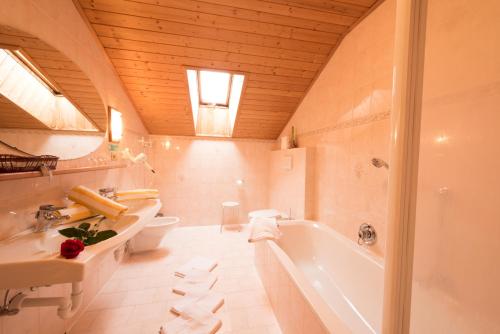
column 32, row 259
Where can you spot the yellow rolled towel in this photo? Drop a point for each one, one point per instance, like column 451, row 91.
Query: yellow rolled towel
column 137, row 194
column 76, row 212
column 96, row 203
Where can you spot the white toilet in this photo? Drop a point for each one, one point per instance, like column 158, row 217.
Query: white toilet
column 152, row 234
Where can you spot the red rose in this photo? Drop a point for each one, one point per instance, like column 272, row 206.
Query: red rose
column 71, row 248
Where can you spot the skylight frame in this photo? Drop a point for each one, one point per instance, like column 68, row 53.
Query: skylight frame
column 22, row 57
column 238, row 82
column 24, row 61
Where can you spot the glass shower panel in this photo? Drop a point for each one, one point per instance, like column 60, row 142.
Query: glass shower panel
column 456, row 260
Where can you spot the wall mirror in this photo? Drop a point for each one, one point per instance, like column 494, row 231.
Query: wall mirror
column 47, row 104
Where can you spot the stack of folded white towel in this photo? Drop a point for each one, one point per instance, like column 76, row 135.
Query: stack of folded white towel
column 196, row 308
column 207, row 300
column 194, row 280
column 264, row 229
column 197, row 263
column 194, row 319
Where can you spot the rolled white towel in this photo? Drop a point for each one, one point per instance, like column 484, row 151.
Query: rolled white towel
column 76, row 212
column 193, row 320
column 197, row 263
column 96, row 203
column 136, row 194
column 207, row 300
column 264, row 229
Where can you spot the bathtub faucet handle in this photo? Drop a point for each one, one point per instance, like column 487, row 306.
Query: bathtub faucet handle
column 366, row 234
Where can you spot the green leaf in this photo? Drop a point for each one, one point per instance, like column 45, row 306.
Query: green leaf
column 100, row 236
column 103, row 235
column 84, row 226
column 72, row 232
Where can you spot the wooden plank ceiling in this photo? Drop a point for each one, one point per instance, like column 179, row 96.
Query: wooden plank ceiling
column 62, row 72
column 281, row 46
column 13, row 117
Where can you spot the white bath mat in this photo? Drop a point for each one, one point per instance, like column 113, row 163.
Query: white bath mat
column 197, row 263
column 208, row 300
column 192, row 320
column 197, row 275
column 184, row 286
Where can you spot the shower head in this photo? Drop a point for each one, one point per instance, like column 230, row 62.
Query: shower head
column 379, row 163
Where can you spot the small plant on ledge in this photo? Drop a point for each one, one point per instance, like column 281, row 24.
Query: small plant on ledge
column 83, row 235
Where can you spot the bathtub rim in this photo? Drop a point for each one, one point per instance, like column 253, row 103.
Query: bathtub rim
column 333, row 324
column 362, row 249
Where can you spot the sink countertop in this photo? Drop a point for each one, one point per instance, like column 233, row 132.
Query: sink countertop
column 32, row 259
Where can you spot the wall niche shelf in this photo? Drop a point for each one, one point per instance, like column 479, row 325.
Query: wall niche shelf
column 28, row 175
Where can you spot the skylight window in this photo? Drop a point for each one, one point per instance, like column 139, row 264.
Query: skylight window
column 24, row 85
column 215, row 97
column 214, row 87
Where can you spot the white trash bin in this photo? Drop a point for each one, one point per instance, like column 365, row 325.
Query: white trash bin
column 152, row 234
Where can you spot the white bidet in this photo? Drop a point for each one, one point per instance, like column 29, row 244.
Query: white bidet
column 152, row 234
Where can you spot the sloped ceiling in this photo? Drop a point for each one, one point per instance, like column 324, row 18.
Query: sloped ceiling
column 13, row 117
column 280, row 45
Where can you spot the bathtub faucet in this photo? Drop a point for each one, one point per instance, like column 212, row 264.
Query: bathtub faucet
column 366, row 235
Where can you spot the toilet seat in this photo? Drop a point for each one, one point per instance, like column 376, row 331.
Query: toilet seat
column 266, row 213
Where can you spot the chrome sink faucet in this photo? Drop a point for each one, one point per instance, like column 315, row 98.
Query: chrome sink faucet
column 109, row 192
column 47, row 215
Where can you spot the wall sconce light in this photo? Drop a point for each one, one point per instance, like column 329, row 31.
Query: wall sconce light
column 115, row 126
column 239, row 182
column 441, row 139
column 166, row 144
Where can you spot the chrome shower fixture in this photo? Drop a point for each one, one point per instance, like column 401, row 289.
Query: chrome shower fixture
column 366, row 234
column 380, row 163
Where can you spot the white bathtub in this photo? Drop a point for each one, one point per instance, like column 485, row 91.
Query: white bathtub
column 318, row 281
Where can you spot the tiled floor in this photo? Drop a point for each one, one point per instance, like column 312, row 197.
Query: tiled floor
column 137, row 298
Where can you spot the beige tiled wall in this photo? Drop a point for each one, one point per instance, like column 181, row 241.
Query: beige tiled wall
column 291, row 181
column 196, row 175
column 345, row 118
column 19, row 199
